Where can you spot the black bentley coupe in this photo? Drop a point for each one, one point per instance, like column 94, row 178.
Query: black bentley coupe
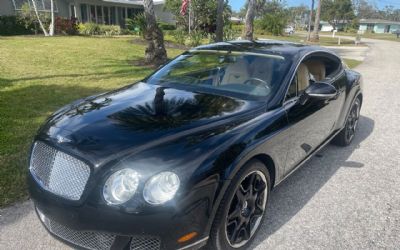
column 188, row 156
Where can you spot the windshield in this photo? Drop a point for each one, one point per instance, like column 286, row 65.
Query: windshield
column 244, row 73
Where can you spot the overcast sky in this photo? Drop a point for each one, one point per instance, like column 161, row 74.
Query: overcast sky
column 237, row 4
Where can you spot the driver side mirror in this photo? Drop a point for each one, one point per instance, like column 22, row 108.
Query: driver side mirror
column 319, row 91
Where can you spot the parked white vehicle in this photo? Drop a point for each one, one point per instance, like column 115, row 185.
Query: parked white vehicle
column 289, row 30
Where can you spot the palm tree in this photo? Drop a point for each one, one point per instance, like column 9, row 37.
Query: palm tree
column 155, row 52
column 315, row 36
column 219, row 33
column 249, row 20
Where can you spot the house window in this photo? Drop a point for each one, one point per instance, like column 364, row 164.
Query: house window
column 41, row 5
column 84, row 13
column 121, row 16
column 113, row 19
column 106, row 11
column 72, row 11
column 92, row 13
column 100, row 15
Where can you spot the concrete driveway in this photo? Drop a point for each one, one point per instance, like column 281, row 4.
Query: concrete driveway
column 345, row 198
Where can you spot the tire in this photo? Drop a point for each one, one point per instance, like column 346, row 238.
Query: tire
column 346, row 136
column 245, row 214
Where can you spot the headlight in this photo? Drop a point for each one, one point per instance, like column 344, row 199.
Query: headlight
column 121, row 186
column 161, row 188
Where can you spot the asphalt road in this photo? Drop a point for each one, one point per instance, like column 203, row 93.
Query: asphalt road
column 345, row 198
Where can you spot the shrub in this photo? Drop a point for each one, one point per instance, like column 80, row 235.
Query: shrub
column 179, row 36
column 110, row 30
column 12, row 25
column 273, row 23
column 166, row 26
column 137, row 24
column 66, row 26
column 89, row 29
column 196, row 38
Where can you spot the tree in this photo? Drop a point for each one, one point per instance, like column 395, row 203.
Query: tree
column 219, row 33
column 51, row 26
column 203, row 14
column 337, row 11
column 155, row 52
column 249, row 20
column 275, row 18
column 315, row 36
column 38, row 18
column 298, row 15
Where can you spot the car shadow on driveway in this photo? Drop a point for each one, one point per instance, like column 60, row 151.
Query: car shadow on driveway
column 288, row 198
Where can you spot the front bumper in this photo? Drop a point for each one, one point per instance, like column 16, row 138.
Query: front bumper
column 90, row 226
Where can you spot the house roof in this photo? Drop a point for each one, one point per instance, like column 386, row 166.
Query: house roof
column 134, row 2
column 377, row 21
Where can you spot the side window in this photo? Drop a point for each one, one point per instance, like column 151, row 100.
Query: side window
column 292, row 92
column 333, row 67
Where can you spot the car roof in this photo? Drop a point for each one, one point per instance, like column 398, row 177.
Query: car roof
column 264, row 47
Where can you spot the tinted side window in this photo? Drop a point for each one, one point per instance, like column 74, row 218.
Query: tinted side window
column 292, row 92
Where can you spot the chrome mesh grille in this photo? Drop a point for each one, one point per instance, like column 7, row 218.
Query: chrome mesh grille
column 58, row 172
column 143, row 242
column 84, row 239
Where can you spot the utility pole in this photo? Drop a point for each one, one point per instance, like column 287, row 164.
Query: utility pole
column 310, row 20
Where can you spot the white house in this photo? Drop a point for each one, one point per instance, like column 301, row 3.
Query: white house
column 96, row 11
column 378, row 25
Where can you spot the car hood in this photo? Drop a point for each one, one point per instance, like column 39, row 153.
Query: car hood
column 138, row 117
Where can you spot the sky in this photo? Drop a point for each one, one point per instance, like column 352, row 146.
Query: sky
column 237, row 4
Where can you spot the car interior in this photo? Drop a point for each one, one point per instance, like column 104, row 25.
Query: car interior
column 312, row 70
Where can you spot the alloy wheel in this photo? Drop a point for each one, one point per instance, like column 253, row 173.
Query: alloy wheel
column 352, row 121
column 246, row 209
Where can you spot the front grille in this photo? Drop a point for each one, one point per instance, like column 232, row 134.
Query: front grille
column 58, row 172
column 84, row 239
column 96, row 240
column 143, row 242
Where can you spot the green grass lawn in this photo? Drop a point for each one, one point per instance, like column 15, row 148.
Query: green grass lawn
column 38, row 75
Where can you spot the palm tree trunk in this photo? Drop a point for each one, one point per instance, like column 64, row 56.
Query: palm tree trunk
column 38, row 18
column 155, row 52
column 219, row 33
column 249, row 20
column 51, row 28
column 315, row 36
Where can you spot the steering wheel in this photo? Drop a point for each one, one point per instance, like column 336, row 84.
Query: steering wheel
column 258, row 82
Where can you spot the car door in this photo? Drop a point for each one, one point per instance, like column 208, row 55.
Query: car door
column 313, row 121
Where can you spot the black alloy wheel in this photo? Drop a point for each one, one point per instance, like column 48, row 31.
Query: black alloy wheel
column 246, row 209
column 346, row 136
column 242, row 209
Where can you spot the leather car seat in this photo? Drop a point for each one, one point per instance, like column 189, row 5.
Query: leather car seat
column 303, row 77
column 317, row 69
column 262, row 68
column 236, row 72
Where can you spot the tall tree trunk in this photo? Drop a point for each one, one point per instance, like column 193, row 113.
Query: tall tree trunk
column 51, row 28
column 155, row 52
column 38, row 18
column 219, row 33
column 315, row 36
column 249, row 21
column 310, row 20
